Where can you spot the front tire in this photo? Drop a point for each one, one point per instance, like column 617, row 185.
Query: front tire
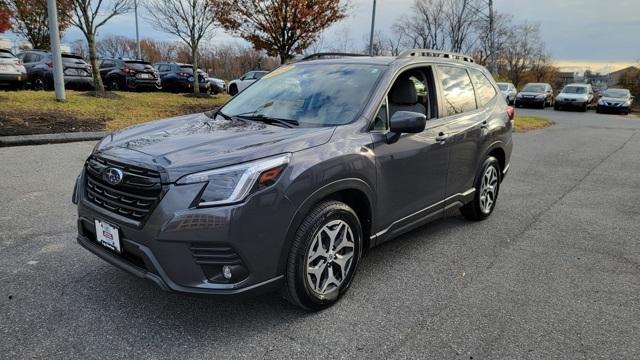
column 486, row 195
column 233, row 89
column 324, row 256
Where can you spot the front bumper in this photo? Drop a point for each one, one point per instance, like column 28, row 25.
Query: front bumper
column 529, row 102
column 613, row 109
column 182, row 249
column 570, row 104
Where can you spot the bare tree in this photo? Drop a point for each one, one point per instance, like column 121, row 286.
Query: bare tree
column 502, row 28
column 461, row 18
column 524, row 49
column 89, row 16
column 116, row 46
column 190, row 20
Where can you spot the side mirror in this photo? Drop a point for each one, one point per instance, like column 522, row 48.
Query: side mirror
column 405, row 122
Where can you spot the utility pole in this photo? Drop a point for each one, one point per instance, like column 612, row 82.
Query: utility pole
column 56, row 54
column 492, row 39
column 373, row 25
column 135, row 11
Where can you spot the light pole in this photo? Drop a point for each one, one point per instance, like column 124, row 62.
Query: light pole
column 373, row 25
column 135, row 11
column 54, row 37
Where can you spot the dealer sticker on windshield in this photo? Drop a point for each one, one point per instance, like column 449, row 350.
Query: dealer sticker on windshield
column 107, row 235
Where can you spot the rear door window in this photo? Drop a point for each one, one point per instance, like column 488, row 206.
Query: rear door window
column 485, row 92
column 457, row 90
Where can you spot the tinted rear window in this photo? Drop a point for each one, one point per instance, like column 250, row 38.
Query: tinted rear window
column 138, row 65
column 187, row 69
column 458, row 92
column 485, row 92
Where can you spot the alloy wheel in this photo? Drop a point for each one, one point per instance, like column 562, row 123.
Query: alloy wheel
column 330, row 256
column 488, row 189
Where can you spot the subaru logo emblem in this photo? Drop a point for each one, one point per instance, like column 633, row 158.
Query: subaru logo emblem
column 113, row 176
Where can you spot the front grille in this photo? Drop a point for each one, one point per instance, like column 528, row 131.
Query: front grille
column 134, row 198
column 215, row 255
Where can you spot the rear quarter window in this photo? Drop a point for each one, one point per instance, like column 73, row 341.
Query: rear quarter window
column 485, row 92
column 457, row 90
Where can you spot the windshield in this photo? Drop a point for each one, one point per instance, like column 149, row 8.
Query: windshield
column 616, row 93
column 503, row 87
column 310, row 94
column 574, row 90
column 534, row 88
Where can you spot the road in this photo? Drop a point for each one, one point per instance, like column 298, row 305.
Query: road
column 554, row 273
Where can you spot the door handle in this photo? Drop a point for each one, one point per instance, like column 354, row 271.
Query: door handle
column 442, row 137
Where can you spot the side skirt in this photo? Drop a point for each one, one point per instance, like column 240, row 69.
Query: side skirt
column 422, row 217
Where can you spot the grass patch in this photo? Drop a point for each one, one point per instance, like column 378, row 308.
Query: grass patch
column 36, row 112
column 528, row 123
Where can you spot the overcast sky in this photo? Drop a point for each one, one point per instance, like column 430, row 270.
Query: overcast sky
column 600, row 34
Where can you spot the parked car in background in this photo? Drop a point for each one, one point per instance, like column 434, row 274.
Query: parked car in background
column 575, row 96
column 39, row 65
column 178, row 77
column 615, row 101
column 12, row 71
column 273, row 192
column 217, row 86
column 235, row 86
column 125, row 74
column 536, row 95
column 509, row 92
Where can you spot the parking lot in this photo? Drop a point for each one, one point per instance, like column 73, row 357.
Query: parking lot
column 554, row 273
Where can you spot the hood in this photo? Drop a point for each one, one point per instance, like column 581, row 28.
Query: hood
column 530, row 94
column 573, row 96
column 187, row 144
column 614, row 99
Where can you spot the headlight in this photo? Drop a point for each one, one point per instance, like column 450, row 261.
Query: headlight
column 519, row 95
column 233, row 183
column 601, row 102
column 540, row 96
column 627, row 103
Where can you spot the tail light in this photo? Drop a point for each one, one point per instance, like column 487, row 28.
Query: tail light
column 19, row 62
column 129, row 71
column 49, row 64
column 511, row 113
column 184, row 74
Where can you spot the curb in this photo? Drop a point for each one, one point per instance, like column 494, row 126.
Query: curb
column 20, row 140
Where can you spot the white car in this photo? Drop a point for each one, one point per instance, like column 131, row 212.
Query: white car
column 12, row 71
column 235, row 86
column 576, row 96
column 509, row 92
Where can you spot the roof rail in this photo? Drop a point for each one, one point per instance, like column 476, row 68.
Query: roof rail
column 329, row 55
column 436, row 53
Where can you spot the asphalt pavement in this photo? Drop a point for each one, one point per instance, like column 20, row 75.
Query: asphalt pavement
column 553, row 274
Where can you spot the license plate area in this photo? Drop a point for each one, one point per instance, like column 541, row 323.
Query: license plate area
column 108, row 236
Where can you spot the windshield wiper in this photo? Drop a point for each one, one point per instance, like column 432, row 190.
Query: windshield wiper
column 271, row 120
column 225, row 116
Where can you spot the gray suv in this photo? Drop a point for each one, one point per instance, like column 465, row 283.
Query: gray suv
column 287, row 184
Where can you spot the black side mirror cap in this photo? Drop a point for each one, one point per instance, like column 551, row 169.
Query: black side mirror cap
column 405, row 122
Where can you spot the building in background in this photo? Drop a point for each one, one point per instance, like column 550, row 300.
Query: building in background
column 630, row 72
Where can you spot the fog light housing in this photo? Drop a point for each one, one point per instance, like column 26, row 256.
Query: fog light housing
column 226, row 272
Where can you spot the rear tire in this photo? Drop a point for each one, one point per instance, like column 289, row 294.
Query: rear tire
column 487, row 189
column 38, row 83
column 114, row 84
column 324, row 256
